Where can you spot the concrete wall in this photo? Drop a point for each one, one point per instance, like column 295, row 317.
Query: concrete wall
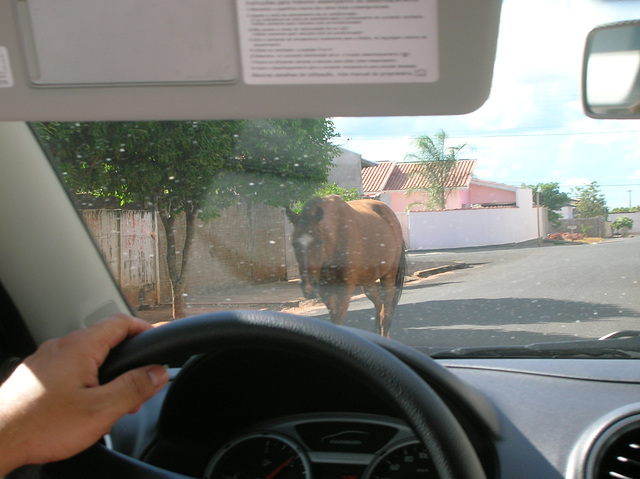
column 476, row 227
column 595, row 227
column 634, row 216
column 246, row 244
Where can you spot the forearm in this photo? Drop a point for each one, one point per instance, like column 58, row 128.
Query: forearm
column 16, row 434
column 11, row 457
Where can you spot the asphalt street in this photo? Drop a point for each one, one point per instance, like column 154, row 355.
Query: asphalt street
column 517, row 296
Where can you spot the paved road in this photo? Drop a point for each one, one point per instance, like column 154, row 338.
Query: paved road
column 517, row 296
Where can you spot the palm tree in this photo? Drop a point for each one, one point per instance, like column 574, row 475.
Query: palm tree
column 436, row 161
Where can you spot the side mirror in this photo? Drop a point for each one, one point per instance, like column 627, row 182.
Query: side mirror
column 611, row 71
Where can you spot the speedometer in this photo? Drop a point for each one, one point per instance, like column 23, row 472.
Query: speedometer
column 405, row 461
column 264, row 456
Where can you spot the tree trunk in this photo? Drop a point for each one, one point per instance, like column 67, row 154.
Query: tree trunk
column 178, row 275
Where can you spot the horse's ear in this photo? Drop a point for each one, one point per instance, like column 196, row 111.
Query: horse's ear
column 319, row 214
column 292, row 215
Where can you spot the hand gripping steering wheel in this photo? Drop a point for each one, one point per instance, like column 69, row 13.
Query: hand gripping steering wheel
column 424, row 411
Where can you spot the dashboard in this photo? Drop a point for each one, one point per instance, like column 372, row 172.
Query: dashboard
column 248, row 412
column 262, row 412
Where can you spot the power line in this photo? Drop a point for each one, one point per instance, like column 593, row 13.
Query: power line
column 566, row 185
column 627, row 184
column 501, row 135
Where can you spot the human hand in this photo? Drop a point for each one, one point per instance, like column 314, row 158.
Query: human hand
column 53, row 407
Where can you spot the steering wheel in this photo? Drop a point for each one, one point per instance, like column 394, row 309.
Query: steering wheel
column 423, row 410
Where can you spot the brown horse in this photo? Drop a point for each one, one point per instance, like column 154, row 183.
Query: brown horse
column 340, row 246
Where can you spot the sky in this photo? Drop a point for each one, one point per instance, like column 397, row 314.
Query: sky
column 532, row 129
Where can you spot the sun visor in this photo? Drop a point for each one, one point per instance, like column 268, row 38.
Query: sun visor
column 127, row 42
column 192, row 59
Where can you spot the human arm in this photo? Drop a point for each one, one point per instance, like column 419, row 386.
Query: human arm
column 53, row 406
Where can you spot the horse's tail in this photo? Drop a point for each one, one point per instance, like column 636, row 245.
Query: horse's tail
column 400, row 274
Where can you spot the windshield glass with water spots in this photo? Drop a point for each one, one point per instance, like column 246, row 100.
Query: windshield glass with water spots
column 508, row 226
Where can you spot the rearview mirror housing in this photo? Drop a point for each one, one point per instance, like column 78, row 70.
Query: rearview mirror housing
column 611, row 71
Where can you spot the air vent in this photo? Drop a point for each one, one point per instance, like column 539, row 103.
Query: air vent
column 616, row 454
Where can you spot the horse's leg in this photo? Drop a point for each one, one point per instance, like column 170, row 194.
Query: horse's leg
column 336, row 298
column 373, row 293
column 387, row 287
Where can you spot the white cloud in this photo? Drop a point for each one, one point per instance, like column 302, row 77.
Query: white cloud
column 576, row 181
column 378, row 150
column 532, row 129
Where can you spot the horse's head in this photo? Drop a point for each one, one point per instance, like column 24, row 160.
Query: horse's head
column 307, row 245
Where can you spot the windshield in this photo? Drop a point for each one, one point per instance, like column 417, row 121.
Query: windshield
column 508, row 226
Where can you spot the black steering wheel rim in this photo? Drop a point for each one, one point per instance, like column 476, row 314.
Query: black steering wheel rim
column 424, row 411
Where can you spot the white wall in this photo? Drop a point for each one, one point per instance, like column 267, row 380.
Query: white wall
column 566, row 212
column 474, row 227
column 634, row 216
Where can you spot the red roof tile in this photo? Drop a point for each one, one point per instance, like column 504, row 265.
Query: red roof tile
column 375, row 177
column 401, row 176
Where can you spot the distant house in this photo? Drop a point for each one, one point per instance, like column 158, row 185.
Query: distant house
column 569, row 212
column 347, row 170
column 393, row 183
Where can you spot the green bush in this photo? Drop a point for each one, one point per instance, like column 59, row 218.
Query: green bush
column 623, row 224
column 327, row 189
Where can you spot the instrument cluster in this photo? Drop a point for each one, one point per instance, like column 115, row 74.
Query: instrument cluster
column 324, row 446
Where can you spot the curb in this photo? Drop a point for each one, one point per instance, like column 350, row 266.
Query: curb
column 249, row 304
column 440, row 269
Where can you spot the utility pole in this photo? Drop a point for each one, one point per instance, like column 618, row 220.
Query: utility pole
column 629, row 191
column 538, row 216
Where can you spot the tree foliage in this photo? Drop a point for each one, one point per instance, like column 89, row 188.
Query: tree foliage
column 437, row 161
column 165, row 165
column 193, row 167
column 347, row 194
column 279, row 162
column 550, row 197
column 625, row 209
column 180, row 165
column 591, row 202
column 622, row 223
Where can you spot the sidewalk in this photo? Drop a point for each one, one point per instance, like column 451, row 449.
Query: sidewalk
column 287, row 294
column 279, row 295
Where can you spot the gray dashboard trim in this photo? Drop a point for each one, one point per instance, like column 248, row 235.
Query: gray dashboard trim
column 554, row 408
column 601, row 370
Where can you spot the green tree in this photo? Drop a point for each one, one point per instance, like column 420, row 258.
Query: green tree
column 625, row 209
column 279, row 162
column 436, row 161
column 551, row 198
column 623, row 223
column 191, row 167
column 591, row 202
column 347, row 194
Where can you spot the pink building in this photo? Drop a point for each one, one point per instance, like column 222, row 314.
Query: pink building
column 393, row 182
